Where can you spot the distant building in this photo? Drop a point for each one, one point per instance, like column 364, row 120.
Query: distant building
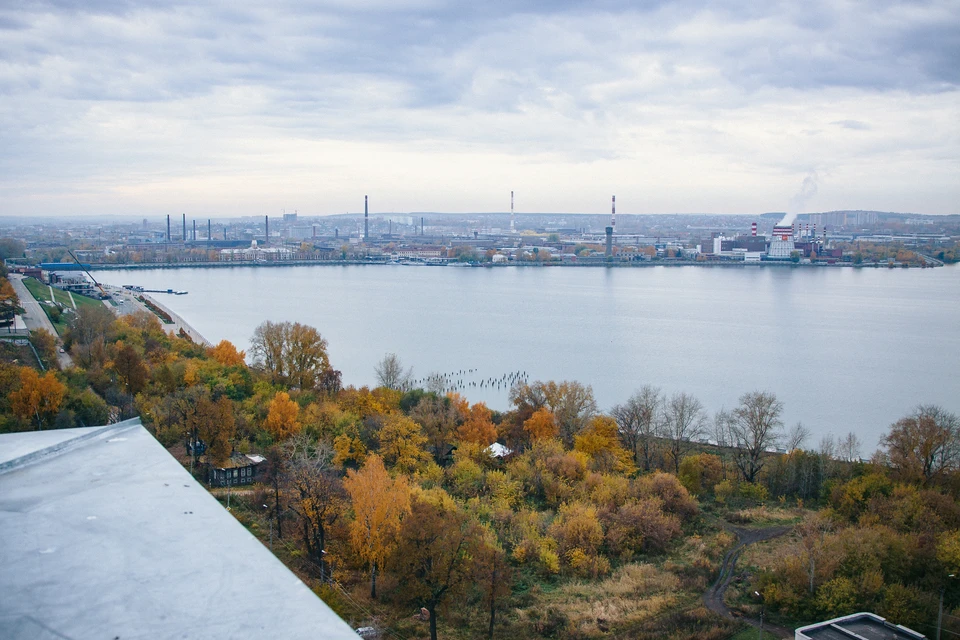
column 857, row 626
column 239, row 469
column 72, row 281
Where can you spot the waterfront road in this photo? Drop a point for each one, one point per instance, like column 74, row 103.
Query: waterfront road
column 34, row 316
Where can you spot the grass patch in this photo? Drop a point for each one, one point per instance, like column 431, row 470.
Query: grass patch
column 766, row 516
column 41, row 292
column 753, row 634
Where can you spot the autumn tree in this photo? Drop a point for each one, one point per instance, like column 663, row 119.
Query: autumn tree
column 493, row 575
column 380, row 504
column 599, row 441
column 219, row 431
column 639, row 422
column 391, row 374
column 924, row 446
column 132, row 373
column 46, row 345
column 402, row 443
column 755, row 428
column 282, row 416
column 38, row 398
column 290, row 353
column 433, row 559
column 571, row 403
column 91, row 329
column 9, row 302
column 684, row 422
column 227, row 355
column 478, row 426
column 541, row 425
column 317, row 496
column 438, row 416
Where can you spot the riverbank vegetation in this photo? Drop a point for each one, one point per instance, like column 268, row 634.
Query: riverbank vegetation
column 390, row 503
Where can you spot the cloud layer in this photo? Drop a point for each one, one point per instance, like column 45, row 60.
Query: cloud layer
column 229, row 108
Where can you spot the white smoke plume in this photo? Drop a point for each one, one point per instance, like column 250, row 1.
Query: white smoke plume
column 808, row 189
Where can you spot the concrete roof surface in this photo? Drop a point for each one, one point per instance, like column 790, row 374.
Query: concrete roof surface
column 109, row 537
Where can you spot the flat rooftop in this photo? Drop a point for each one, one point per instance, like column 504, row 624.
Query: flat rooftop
column 105, row 535
column 858, row 626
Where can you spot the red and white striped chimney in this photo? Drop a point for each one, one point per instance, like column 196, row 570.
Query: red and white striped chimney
column 753, row 229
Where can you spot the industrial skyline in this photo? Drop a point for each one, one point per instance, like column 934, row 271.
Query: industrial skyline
column 145, row 109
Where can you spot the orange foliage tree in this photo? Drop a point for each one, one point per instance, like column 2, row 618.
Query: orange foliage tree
column 38, row 398
column 478, row 426
column 541, row 425
column 282, row 416
column 227, row 355
column 379, row 506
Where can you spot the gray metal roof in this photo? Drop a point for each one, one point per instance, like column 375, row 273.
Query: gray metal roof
column 857, row 626
column 105, row 535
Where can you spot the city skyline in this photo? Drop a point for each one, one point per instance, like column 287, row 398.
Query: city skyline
column 142, row 109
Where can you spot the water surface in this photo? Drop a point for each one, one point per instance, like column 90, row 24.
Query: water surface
column 845, row 349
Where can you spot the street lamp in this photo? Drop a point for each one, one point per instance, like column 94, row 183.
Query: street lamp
column 940, row 612
column 760, row 630
column 270, row 518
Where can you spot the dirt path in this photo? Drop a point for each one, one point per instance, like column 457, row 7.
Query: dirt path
column 713, row 598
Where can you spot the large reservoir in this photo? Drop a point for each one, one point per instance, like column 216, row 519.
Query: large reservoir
column 845, row 349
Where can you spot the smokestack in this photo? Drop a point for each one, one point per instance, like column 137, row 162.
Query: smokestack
column 194, row 230
column 513, row 227
column 613, row 212
column 421, row 225
column 266, row 231
column 753, row 229
column 209, row 231
column 336, row 232
column 366, row 220
column 168, row 227
column 184, row 236
column 314, row 232
column 609, row 250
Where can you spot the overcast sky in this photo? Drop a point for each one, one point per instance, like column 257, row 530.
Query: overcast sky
column 227, row 108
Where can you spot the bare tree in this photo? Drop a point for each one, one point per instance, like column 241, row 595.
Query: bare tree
column 757, row 426
column 639, row 422
column 685, row 421
column 828, row 447
column 849, row 447
column 390, row 373
column 797, row 435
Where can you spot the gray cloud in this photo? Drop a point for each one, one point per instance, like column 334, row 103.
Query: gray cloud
column 101, row 89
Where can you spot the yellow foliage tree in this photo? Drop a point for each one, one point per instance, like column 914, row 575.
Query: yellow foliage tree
column 227, row 355
column 401, row 444
column 601, row 442
column 38, row 398
column 282, row 416
column 379, row 506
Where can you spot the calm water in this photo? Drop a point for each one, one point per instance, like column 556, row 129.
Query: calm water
column 844, row 349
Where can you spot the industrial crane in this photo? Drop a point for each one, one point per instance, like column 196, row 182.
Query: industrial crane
column 103, row 294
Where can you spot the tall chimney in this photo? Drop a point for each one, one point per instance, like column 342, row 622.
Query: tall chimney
column 168, row 227
column 184, row 236
column 366, row 220
column 421, row 225
column 753, row 229
column 194, row 230
column 209, row 227
column 609, row 250
column 513, row 227
column 613, row 212
column 266, row 232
